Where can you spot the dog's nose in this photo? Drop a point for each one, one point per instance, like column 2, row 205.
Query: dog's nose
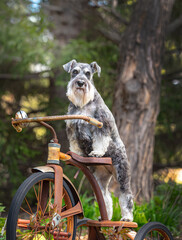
column 80, row 83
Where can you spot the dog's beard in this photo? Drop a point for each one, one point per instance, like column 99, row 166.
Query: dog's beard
column 80, row 96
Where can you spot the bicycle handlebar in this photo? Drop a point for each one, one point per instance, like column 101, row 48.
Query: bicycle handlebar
column 17, row 122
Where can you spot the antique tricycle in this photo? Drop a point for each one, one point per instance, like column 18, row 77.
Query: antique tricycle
column 47, row 205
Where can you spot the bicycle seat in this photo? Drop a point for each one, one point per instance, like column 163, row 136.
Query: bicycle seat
column 90, row 160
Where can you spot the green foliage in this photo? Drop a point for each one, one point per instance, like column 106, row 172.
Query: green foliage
column 139, row 214
column 2, row 222
column 26, row 37
column 169, row 125
column 88, row 206
column 24, row 43
column 164, row 207
column 1, row 208
column 116, row 209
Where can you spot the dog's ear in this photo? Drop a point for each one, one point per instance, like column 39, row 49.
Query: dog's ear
column 95, row 68
column 70, row 65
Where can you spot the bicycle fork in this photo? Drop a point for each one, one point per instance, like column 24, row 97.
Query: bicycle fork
column 53, row 165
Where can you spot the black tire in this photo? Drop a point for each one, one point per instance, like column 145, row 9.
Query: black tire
column 154, row 231
column 38, row 214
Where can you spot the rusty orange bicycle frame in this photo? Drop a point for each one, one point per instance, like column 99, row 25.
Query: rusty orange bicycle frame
column 53, row 161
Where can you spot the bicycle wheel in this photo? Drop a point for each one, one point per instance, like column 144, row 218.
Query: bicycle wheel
column 32, row 211
column 154, row 231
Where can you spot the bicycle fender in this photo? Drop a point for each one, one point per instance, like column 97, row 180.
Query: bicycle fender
column 42, row 169
column 68, row 181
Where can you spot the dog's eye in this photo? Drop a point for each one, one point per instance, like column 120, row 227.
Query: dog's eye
column 87, row 74
column 75, row 72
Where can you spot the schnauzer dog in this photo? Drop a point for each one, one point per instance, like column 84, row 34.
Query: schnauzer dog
column 88, row 140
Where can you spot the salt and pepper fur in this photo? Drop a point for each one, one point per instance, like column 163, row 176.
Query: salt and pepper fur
column 88, row 140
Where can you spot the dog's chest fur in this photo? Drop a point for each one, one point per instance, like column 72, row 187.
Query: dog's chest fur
column 83, row 130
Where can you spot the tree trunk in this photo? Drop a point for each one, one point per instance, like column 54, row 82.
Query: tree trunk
column 68, row 18
column 137, row 93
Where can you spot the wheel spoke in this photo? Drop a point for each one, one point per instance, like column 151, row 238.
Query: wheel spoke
column 28, row 205
column 48, row 204
column 37, row 197
column 25, row 211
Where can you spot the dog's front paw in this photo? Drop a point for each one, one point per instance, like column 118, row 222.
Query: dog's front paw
column 96, row 154
column 127, row 218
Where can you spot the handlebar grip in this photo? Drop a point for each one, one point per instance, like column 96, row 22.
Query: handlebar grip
column 95, row 122
column 16, row 127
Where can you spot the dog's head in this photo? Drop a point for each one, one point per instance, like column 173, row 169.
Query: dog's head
column 80, row 90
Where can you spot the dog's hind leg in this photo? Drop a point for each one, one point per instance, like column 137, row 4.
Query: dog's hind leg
column 103, row 177
column 125, row 200
column 123, row 191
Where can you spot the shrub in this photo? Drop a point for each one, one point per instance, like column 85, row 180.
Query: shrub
column 164, row 207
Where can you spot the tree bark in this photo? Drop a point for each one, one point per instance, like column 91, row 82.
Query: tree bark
column 137, row 92
column 68, row 18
